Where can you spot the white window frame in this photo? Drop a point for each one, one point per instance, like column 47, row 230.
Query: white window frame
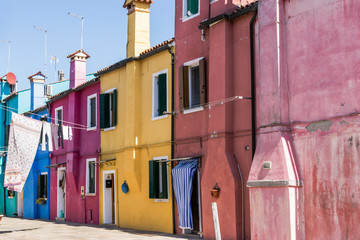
column 113, row 127
column 191, row 64
column 87, row 177
column 184, row 12
column 89, row 111
column 45, row 173
column 160, row 176
column 56, row 115
column 155, row 92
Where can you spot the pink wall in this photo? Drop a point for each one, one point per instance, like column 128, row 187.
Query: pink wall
column 226, row 50
column 311, row 104
column 85, row 145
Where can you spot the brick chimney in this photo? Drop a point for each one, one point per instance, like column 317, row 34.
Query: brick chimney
column 77, row 68
column 138, row 26
column 37, row 87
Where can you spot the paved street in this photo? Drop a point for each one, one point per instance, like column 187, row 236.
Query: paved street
column 16, row 228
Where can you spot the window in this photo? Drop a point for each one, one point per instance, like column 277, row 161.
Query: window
column 10, row 194
column 158, row 178
column 91, row 112
column 192, row 84
column 42, row 185
column 59, row 115
column 90, row 176
column 190, row 8
column 160, row 103
column 108, row 107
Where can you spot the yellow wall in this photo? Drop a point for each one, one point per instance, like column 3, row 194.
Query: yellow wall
column 134, row 83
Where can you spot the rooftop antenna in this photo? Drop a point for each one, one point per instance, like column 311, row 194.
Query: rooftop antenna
column 8, row 64
column 55, row 60
column 82, row 25
column 45, row 31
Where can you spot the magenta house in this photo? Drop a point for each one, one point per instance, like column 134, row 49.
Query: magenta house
column 304, row 180
column 74, row 175
column 214, row 120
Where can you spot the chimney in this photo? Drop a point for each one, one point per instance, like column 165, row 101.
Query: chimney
column 61, row 75
column 37, row 86
column 77, row 68
column 138, row 26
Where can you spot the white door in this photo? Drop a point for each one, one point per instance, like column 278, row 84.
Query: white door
column 109, row 197
column 20, row 204
column 61, row 190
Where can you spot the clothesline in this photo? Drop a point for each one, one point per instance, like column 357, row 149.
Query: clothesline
column 15, row 109
column 80, row 128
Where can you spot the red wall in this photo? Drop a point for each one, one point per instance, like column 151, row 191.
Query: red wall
column 85, row 145
column 221, row 133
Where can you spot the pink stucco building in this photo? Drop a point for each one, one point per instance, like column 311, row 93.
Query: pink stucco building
column 304, row 179
column 74, row 172
column 214, row 111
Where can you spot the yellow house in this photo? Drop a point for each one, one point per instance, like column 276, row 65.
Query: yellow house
column 135, row 184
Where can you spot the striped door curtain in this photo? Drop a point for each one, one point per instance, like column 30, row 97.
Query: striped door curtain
column 182, row 176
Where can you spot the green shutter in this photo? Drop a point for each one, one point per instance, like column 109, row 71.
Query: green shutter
column 104, row 111
column 114, row 106
column 162, row 94
column 153, row 179
column 193, row 6
column 164, row 194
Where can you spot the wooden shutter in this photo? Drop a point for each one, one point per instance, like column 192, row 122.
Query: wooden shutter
column 39, row 187
column 114, row 107
column 162, row 96
column 164, row 181
column 181, row 88
column 45, row 185
column 104, row 111
column 202, row 73
column 153, row 179
column 186, row 88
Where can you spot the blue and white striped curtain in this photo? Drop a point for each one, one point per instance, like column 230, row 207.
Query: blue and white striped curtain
column 182, row 176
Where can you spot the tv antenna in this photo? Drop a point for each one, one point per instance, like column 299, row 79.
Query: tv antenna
column 45, row 31
column 8, row 63
column 82, row 25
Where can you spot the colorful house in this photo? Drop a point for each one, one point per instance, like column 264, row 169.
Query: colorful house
column 6, row 90
column 17, row 102
column 213, row 124
column 134, row 177
column 304, row 179
column 36, row 197
column 74, row 190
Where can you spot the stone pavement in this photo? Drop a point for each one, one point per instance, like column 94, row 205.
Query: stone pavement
column 17, row 228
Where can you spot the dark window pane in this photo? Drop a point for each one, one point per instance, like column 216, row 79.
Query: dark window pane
column 93, row 112
column 91, row 177
column 195, row 87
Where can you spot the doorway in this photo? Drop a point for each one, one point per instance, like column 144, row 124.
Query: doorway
column 61, row 192
column 196, row 204
column 109, row 197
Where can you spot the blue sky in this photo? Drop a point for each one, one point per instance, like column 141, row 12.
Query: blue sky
column 105, row 33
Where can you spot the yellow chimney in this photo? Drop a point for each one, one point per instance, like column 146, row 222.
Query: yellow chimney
column 138, row 26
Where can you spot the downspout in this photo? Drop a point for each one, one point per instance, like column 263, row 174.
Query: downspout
column 253, row 92
column 172, row 126
column 4, row 160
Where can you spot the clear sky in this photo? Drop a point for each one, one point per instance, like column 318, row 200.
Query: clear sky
column 105, row 33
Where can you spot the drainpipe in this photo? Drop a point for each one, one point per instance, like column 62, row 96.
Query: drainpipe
column 172, row 124
column 4, row 160
column 253, row 92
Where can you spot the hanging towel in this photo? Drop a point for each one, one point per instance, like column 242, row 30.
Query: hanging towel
column 60, row 136
column 46, row 130
column 65, row 132
column 70, row 133
column 23, row 143
column 54, row 133
column 182, row 176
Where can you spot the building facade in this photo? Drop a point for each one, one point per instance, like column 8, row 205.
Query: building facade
column 213, row 124
column 74, row 175
column 135, row 96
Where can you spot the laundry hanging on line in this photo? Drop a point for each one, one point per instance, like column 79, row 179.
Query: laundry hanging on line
column 56, row 134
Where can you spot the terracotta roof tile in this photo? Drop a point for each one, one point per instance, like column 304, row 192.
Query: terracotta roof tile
column 78, row 51
column 157, row 46
column 146, row 1
column 38, row 73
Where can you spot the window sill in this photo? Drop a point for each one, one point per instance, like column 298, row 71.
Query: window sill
column 161, row 200
column 185, row 18
column 159, row 117
column 90, row 194
column 109, row 128
column 91, row 128
column 192, row 110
